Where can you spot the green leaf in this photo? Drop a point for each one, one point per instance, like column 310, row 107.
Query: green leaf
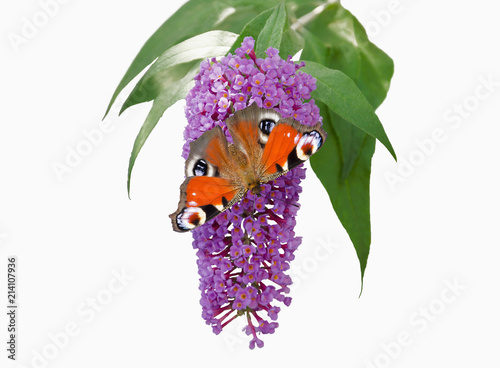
column 336, row 39
column 303, row 7
column 165, row 99
column 315, row 50
column 351, row 197
column 150, row 88
column 350, row 137
column 342, row 96
column 193, row 18
column 292, row 42
column 174, row 63
column 272, row 33
column 252, row 29
column 351, row 141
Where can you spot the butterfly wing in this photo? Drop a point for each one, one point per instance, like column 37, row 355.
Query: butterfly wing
column 247, row 128
column 290, row 143
column 202, row 198
column 272, row 144
column 212, row 183
column 208, row 155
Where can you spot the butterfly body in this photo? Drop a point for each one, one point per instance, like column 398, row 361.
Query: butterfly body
column 246, row 175
column 218, row 174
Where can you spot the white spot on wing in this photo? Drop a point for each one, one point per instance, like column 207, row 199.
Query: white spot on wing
column 263, row 138
column 313, row 139
column 183, row 219
column 270, row 114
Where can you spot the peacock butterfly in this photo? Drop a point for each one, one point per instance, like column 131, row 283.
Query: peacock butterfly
column 219, row 174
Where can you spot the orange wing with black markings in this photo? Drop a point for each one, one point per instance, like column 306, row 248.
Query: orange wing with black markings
column 282, row 141
column 290, row 144
column 202, row 198
column 248, row 130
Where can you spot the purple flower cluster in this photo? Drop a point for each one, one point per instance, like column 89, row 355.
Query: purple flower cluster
column 243, row 256
column 244, row 252
column 237, row 81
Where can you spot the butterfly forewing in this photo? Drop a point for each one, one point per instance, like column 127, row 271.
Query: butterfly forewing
column 249, row 135
column 208, row 155
column 212, row 182
column 281, row 142
column 290, row 143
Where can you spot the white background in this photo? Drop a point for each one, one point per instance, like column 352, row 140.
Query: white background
column 434, row 227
